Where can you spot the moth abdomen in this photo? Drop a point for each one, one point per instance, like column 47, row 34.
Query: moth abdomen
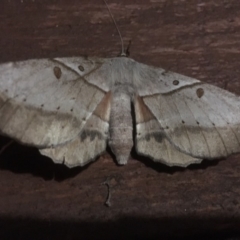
column 121, row 127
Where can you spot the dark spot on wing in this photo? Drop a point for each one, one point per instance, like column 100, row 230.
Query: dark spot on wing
column 164, row 73
column 81, row 68
column 157, row 136
column 175, row 82
column 92, row 134
column 200, row 92
column 57, row 72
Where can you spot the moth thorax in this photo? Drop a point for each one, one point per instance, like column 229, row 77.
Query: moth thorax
column 121, row 127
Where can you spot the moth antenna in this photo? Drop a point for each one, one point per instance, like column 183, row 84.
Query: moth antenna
column 123, row 54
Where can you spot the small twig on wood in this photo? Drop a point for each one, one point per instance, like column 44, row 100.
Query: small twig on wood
column 108, row 203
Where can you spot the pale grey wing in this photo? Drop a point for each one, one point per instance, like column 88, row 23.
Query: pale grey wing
column 151, row 139
column 148, row 80
column 198, row 119
column 89, row 143
column 47, row 102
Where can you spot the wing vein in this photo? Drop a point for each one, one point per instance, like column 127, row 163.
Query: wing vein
column 226, row 120
column 182, row 120
column 220, row 136
column 198, row 127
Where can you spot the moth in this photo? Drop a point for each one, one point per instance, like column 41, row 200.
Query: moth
column 71, row 108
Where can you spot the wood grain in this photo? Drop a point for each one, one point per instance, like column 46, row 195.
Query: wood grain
column 149, row 200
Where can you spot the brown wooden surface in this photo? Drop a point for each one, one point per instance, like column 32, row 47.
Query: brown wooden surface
column 46, row 201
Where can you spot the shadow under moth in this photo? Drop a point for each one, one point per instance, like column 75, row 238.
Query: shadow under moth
column 71, row 108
